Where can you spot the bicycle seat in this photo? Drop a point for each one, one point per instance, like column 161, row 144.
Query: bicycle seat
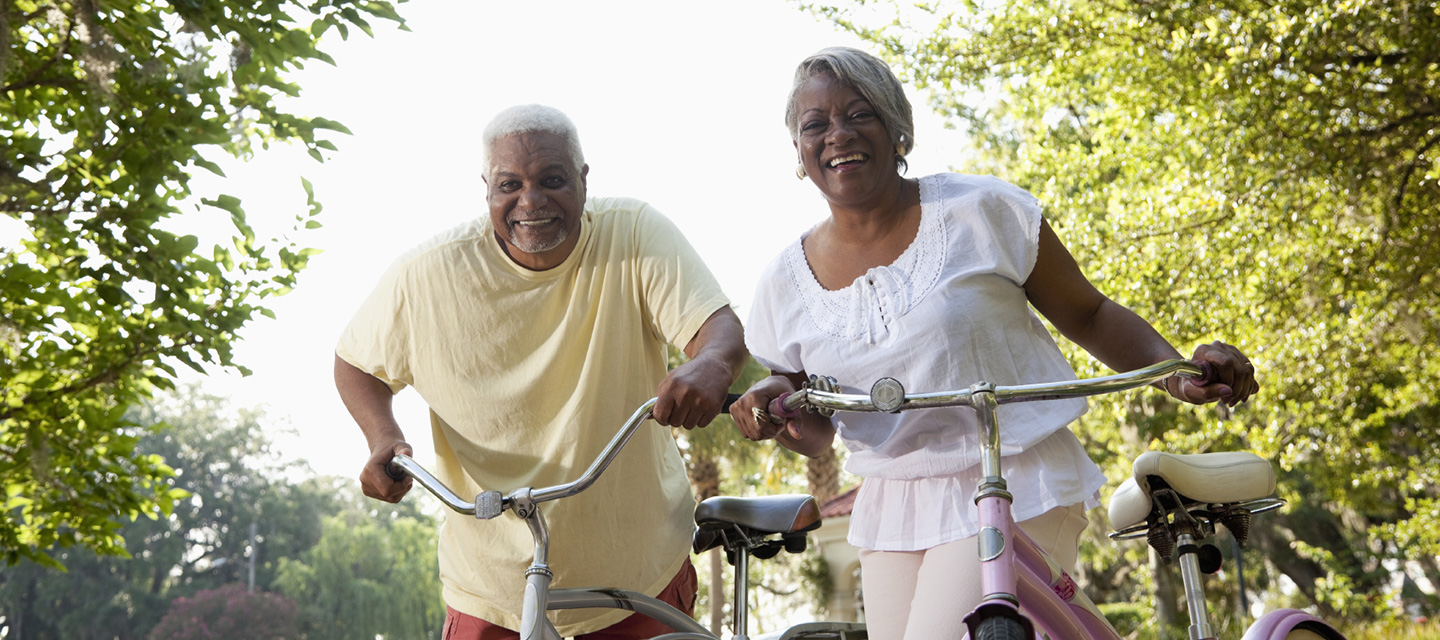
column 765, row 514
column 1208, row 478
column 759, row 516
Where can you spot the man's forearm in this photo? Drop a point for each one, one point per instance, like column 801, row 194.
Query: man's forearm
column 369, row 402
column 721, row 340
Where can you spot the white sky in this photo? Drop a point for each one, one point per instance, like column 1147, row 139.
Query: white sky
column 678, row 103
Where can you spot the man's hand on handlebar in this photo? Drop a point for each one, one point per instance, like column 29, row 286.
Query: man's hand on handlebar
column 692, row 394
column 1234, row 377
column 378, row 484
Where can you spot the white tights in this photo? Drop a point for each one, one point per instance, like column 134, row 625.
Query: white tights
column 925, row 595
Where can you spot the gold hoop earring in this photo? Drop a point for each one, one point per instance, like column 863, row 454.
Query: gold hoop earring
column 800, row 171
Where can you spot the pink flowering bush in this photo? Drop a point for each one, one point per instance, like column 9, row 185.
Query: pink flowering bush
column 230, row 613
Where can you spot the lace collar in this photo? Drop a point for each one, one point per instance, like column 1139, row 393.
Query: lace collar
column 868, row 307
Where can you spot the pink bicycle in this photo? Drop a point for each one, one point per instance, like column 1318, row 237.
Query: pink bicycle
column 1172, row 500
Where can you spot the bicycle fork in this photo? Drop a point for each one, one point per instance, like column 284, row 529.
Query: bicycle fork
column 538, row 597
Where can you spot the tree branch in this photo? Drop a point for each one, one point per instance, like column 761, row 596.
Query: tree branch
column 1392, row 126
column 1410, row 171
column 34, row 79
column 108, row 375
column 1184, row 228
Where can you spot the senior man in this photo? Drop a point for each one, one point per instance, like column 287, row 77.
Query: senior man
column 532, row 338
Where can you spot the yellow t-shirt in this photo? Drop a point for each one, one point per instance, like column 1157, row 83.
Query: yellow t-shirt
column 528, row 374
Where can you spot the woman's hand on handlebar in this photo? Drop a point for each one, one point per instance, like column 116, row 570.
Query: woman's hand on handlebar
column 1232, row 381
column 374, row 480
column 751, row 412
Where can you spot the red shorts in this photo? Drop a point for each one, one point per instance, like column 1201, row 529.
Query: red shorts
column 680, row 593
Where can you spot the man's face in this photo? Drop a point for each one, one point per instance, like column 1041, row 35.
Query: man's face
column 536, row 197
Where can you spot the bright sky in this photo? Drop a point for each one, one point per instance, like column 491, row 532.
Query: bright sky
column 678, row 103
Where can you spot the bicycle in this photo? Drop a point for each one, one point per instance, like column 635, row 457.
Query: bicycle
column 1173, row 500
column 758, row 527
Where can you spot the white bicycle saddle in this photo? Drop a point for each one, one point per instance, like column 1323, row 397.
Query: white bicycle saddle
column 1210, row 478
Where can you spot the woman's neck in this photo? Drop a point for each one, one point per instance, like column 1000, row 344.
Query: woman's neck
column 865, row 223
column 854, row 240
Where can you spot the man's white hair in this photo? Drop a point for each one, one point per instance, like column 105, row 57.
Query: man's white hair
column 527, row 118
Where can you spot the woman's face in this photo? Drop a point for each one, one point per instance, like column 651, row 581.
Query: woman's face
column 842, row 143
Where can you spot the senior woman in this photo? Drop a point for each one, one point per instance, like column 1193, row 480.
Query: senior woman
column 931, row 281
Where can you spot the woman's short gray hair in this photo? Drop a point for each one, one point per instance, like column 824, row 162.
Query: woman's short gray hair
column 527, row 118
column 872, row 79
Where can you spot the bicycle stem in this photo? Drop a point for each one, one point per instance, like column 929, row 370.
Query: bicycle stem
column 982, row 398
column 537, row 578
column 992, row 499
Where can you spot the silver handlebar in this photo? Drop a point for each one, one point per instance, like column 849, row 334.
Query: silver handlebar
column 412, row 468
column 889, row 396
column 881, row 398
column 489, row 504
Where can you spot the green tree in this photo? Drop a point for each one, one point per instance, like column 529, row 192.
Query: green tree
column 1263, row 172
column 106, row 110
column 231, row 477
column 373, row 574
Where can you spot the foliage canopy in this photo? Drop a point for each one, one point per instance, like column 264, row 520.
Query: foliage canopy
column 106, row 110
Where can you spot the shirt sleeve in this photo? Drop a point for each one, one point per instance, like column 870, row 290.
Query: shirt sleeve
column 679, row 291
column 377, row 340
column 774, row 296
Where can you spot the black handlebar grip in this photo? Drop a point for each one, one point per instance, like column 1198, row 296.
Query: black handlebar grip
column 730, row 399
column 395, row 472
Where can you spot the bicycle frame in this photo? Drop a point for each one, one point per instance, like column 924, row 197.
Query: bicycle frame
column 1015, row 572
column 539, row 597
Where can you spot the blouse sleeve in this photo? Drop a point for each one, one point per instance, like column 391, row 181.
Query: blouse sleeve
column 764, row 330
column 1004, row 228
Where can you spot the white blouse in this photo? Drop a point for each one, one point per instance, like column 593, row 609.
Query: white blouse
column 950, row 311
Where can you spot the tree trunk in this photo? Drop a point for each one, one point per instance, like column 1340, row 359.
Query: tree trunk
column 705, row 475
column 5, row 54
column 823, row 475
column 1276, row 548
column 717, row 586
column 1168, row 592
